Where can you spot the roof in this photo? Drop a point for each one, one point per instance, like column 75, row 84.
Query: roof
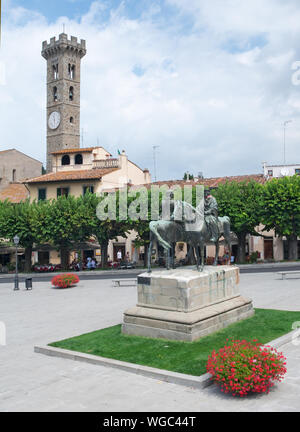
column 78, row 150
column 24, row 154
column 212, row 182
column 91, row 174
column 15, row 193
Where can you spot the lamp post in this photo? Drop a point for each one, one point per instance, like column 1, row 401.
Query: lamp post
column 16, row 242
column 284, row 133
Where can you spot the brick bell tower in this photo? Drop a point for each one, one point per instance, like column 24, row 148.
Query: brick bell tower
column 63, row 93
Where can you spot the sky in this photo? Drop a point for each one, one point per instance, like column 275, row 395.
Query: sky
column 210, row 83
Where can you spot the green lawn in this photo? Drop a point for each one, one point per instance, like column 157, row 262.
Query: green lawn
column 184, row 357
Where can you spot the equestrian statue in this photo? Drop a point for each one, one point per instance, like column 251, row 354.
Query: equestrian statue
column 195, row 226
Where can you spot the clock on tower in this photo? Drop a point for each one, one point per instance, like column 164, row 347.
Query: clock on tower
column 63, row 93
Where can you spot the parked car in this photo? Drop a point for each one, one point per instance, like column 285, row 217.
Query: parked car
column 43, row 268
column 126, row 265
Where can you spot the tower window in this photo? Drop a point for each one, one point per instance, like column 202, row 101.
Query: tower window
column 14, row 172
column 55, row 71
column 55, row 94
column 78, row 159
column 72, row 120
column 65, row 160
column 71, row 93
column 71, row 70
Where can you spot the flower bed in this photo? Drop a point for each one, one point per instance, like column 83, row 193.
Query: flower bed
column 243, row 367
column 65, row 280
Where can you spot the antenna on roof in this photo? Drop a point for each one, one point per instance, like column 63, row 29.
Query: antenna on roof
column 154, row 161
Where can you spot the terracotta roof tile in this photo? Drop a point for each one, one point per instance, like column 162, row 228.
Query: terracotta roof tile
column 91, row 174
column 213, row 182
column 77, row 150
column 15, row 193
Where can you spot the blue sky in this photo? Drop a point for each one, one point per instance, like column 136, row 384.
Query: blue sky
column 74, row 9
column 209, row 82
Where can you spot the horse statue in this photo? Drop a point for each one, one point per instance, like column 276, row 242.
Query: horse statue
column 193, row 230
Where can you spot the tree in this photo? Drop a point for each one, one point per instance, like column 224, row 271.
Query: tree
column 104, row 230
column 242, row 202
column 281, row 210
column 188, row 176
column 63, row 223
column 19, row 219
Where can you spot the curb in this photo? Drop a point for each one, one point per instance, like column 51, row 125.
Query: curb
column 200, row 382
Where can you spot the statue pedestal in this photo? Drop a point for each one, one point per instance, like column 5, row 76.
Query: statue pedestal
column 184, row 304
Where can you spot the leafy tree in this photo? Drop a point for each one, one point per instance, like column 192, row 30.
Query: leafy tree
column 19, row 219
column 104, row 230
column 242, row 202
column 63, row 223
column 281, row 210
column 188, row 176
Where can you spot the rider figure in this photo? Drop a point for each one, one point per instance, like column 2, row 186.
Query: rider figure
column 168, row 205
column 211, row 215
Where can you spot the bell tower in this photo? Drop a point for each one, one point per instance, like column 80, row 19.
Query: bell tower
column 63, row 93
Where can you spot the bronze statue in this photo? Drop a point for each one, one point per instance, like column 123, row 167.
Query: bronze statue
column 199, row 226
column 211, row 215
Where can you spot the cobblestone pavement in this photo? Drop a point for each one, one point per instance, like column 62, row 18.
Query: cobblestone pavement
column 34, row 382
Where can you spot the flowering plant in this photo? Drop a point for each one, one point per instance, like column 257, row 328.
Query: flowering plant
column 243, row 367
column 65, row 280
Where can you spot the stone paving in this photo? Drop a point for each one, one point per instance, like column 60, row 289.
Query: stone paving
column 34, row 382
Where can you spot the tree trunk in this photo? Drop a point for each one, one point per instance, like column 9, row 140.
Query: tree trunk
column 28, row 255
column 292, row 247
column 241, row 254
column 104, row 246
column 64, row 257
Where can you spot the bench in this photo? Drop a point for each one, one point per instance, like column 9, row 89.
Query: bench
column 284, row 273
column 127, row 282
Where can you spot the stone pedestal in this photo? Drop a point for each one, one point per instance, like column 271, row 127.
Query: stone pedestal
column 184, row 304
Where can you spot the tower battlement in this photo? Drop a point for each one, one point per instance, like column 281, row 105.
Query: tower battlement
column 63, row 43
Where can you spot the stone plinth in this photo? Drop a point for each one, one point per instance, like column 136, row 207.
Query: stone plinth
column 184, row 304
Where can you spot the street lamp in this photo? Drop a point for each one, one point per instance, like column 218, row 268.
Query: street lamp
column 16, row 242
column 284, row 130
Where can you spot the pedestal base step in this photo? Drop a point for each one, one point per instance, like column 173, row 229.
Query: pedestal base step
column 156, row 323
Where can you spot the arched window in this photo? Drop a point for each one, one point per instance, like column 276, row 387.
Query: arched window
column 14, row 175
column 78, row 159
column 55, row 95
column 55, row 71
column 71, row 70
column 65, row 160
column 71, row 93
column 72, row 120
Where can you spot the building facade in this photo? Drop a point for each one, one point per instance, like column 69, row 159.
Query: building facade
column 16, row 166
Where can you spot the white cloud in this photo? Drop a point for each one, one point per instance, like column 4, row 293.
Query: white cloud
column 210, row 108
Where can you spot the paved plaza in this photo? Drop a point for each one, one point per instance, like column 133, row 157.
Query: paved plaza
column 34, row 382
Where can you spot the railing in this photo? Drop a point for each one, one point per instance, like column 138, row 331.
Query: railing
column 106, row 163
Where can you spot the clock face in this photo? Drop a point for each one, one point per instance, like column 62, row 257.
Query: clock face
column 54, row 120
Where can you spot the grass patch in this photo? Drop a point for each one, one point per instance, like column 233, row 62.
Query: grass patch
column 184, row 357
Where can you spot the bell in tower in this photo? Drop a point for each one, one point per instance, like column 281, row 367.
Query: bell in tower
column 63, row 93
